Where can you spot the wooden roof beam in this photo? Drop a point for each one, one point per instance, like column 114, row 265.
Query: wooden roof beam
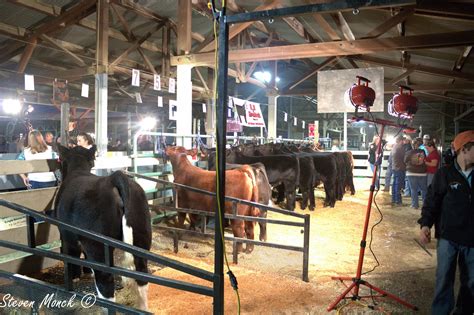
column 69, row 53
column 328, row 49
column 418, row 68
column 388, row 24
column 237, row 28
column 343, row 26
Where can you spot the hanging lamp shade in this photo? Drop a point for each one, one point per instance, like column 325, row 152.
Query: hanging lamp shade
column 360, row 95
column 403, row 105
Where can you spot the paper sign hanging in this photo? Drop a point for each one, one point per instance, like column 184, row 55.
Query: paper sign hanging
column 156, row 82
column 85, row 90
column 229, row 112
column 160, row 101
column 29, row 82
column 295, row 121
column 204, row 107
column 286, row 117
column 173, row 110
column 303, row 124
column 254, row 115
column 172, row 85
column 135, row 77
column 138, row 97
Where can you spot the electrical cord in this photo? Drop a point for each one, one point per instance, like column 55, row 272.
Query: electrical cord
column 232, row 277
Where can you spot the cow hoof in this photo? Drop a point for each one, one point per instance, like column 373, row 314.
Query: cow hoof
column 311, row 208
column 263, row 238
column 248, row 249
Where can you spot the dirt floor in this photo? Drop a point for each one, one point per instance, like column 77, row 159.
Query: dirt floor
column 270, row 279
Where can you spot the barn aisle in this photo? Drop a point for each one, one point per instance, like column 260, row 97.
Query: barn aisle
column 270, row 279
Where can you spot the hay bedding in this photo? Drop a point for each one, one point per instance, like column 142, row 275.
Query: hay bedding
column 270, row 279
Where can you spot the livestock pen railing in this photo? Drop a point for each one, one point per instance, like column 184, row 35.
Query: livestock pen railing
column 305, row 224
column 108, row 264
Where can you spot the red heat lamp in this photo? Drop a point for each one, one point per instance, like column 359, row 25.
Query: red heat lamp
column 403, row 105
column 361, row 96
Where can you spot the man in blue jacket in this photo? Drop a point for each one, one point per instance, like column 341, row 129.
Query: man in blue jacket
column 449, row 206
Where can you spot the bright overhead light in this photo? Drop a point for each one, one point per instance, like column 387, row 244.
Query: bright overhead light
column 263, row 76
column 11, row 106
column 148, row 123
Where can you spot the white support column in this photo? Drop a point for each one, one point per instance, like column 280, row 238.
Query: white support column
column 345, row 131
column 272, row 116
column 101, row 113
column 184, row 111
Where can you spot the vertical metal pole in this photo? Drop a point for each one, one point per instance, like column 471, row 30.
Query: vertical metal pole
column 221, row 112
column 30, row 222
column 64, row 123
column 345, row 131
column 306, row 248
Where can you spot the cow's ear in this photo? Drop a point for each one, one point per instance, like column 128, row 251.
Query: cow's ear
column 63, row 152
column 92, row 152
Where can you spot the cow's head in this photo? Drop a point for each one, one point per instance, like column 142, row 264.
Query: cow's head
column 75, row 159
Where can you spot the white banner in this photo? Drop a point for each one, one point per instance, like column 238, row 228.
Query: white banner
column 85, row 90
column 135, row 77
column 173, row 110
column 160, row 101
column 156, row 82
column 29, row 82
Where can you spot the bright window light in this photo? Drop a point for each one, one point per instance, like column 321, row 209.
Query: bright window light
column 11, row 106
column 148, row 123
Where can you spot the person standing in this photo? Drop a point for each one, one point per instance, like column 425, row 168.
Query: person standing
column 432, row 161
column 388, row 174
column 406, row 184
column 416, row 172
column 372, row 160
column 449, row 207
column 449, row 155
column 398, row 170
column 37, row 149
column 84, row 140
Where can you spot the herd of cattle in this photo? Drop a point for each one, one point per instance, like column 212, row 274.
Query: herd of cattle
column 253, row 170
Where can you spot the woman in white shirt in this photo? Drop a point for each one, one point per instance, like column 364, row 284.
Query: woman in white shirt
column 37, row 149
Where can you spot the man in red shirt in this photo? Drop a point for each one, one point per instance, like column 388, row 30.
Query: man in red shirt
column 431, row 161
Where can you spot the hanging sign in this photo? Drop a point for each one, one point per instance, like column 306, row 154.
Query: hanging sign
column 156, row 82
column 85, row 90
column 295, row 121
column 204, row 107
column 135, row 77
column 160, row 101
column 138, row 97
column 173, row 110
column 286, row 117
column 29, row 82
column 234, row 126
column 311, row 130
column 303, row 124
column 172, row 86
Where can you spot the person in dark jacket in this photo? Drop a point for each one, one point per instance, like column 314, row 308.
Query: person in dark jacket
column 372, row 157
column 416, row 172
column 398, row 171
column 449, row 206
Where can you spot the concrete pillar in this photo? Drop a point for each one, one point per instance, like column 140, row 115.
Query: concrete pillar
column 272, row 116
column 64, row 123
column 184, row 110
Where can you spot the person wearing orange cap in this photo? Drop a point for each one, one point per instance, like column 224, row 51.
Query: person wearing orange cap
column 449, row 206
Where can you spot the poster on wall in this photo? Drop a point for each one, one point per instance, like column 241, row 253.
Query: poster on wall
column 135, row 77
column 249, row 113
column 310, row 130
column 173, row 110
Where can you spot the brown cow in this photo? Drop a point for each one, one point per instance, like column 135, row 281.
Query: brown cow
column 240, row 183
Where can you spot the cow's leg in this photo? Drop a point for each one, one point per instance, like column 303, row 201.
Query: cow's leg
column 238, row 230
column 312, row 201
column 71, row 246
column 142, row 266
column 281, row 193
column 290, row 191
column 249, row 232
column 304, row 200
column 104, row 281
column 181, row 219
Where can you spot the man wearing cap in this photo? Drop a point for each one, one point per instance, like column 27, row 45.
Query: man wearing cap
column 449, row 206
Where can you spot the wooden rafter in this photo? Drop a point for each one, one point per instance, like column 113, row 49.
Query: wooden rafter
column 343, row 48
column 27, row 53
column 237, row 28
column 79, row 61
column 402, row 76
column 343, row 26
column 326, row 27
column 388, row 24
column 418, row 68
column 311, row 73
column 183, row 45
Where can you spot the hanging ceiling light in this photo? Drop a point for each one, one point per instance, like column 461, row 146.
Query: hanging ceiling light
column 403, row 105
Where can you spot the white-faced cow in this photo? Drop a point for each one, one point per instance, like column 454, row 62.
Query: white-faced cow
column 114, row 206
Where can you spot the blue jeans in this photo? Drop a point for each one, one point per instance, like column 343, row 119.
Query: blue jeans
column 388, row 177
column 450, row 253
column 36, row 185
column 398, row 180
column 406, row 188
column 377, row 176
column 417, row 183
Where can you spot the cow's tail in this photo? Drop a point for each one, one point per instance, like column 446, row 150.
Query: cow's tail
column 250, row 173
column 121, row 182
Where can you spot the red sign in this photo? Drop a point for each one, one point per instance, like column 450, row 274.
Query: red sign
column 311, row 130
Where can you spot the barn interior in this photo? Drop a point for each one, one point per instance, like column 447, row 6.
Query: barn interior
column 82, row 55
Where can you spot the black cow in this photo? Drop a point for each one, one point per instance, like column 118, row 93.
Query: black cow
column 113, row 205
